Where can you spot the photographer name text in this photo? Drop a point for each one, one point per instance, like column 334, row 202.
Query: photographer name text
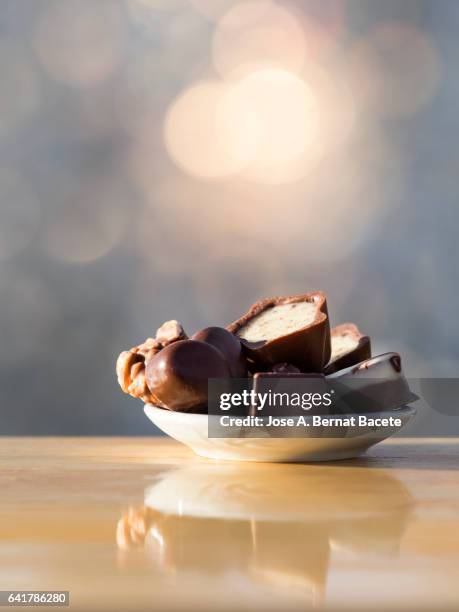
column 310, row 421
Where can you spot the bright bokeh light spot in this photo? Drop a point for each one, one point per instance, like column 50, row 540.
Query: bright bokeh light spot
column 253, row 35
column 395, row 69
column 80, row 43
column 211, row 131
column 19, row 214
column 287, row 122
column 264, row 126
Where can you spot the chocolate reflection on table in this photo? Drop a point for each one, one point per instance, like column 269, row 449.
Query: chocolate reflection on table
column 276, row 523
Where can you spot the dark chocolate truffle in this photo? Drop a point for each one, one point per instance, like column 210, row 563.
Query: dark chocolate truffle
column 178, row 374
column 229, row 345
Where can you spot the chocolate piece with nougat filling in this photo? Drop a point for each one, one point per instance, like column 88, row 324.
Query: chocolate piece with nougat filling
column 348, row 347
column 293, row 329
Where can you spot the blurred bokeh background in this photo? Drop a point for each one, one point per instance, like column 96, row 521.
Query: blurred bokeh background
column 183, row 158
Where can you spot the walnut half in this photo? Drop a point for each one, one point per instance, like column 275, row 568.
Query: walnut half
column 130, row 370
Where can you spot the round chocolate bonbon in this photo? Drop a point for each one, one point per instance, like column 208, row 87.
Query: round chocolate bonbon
column 179, row 373
column 229, row 345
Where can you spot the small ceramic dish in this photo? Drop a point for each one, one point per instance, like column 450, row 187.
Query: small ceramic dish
column 329, row 444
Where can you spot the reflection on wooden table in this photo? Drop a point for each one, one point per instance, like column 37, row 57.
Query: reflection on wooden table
column 138, row 523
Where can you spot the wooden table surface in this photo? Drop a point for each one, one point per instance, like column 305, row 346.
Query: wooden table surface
column 142, row 523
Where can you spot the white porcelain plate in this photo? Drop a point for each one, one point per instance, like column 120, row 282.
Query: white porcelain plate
column 191, row 429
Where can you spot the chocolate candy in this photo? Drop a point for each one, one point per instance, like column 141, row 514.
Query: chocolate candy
column 373, row 385
column 178, row 374
column 229, row 345
column 284, row 384
column 291, row 329
column 348, row 347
